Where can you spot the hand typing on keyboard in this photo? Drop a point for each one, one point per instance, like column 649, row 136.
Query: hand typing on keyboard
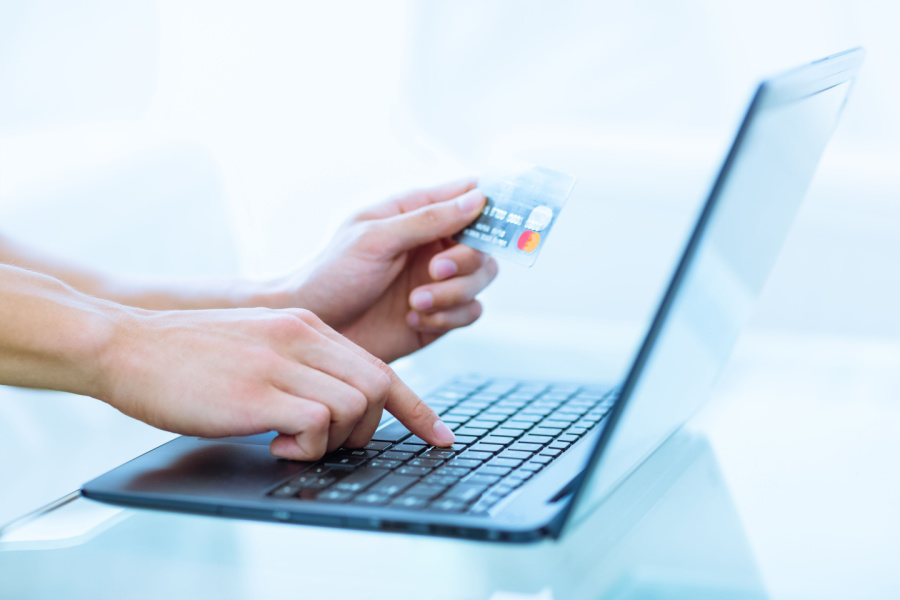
column 303, row 355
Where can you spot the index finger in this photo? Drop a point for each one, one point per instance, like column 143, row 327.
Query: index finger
column 401, row 402
column 416, row 199
column 418, row 417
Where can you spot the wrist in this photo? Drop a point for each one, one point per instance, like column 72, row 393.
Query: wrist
column 113, row 331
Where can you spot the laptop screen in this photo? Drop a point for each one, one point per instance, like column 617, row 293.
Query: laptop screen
column 727, row 260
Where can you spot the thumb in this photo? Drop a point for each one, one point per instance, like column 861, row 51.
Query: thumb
column 431, row 222
column 417, row 416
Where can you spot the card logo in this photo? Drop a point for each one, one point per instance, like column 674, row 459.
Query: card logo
column 539, row 218
column 528, row 241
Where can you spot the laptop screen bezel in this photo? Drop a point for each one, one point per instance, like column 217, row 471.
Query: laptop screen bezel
column 791, row 86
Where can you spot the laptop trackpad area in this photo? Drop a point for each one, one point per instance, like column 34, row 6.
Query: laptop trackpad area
column 228, row 467
column 263, row 439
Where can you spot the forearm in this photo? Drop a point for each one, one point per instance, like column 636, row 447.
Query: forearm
column 52, row 336
column 148, row 292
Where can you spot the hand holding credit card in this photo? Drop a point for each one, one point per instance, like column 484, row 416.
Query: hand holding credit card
column 521, row 209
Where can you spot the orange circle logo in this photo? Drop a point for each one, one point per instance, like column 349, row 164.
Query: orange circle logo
column 529, row 240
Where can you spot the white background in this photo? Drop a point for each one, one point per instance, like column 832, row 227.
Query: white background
column 199, row 136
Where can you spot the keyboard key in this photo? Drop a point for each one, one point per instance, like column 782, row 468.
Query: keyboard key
column 465, row 492
column 463, row 440
column 455, row 471
column 437, row 454
column 377, row 445
column 529, row 417
column 505, row 462
column 443, row 480
column 378, row 463
column 538, row 439
column 372, row 499
column 343, row 462
column 450, row 394
column 540, row 459
column 492, row 418
column 404, row 447
column 560, row 445
column 492, row 439
column 506, row 432
column 525, row 447
column 318, row 469
column 482, row 479
column 471, row 431
column 413, row 471
column 393, row 484
column 520, row 425
column 479, row 424
column 501, row 410
column 478, row 403
column 566, row 417
column 319, row 482
column 532, row 466
column 390, row 454
column 515, row 454
column 481, row 447
column 448, row 505
column 454, row 418
column 356, row 452
column 464, row 463
column 425, row 491
column 410, row 502
column 519, row 475
column 464, row 410
column 568, row 438
column 287, row 490
column 394, row 432
column 475, row 455
column 579, row 431
column 429, row 463
column 489, row 470
column 550, row 452
column 545, row 431
column 503, row 488
column 334, row 496
column 360, row 479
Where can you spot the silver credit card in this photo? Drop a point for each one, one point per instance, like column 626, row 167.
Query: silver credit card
column 521, row 209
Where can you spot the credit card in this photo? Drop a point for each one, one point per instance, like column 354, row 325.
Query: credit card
column 521, row 209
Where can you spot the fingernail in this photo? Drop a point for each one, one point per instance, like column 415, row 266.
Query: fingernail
column 413, row 319
column 471, row 200
column 421, row 300
column 442, row 434
column 444, row 268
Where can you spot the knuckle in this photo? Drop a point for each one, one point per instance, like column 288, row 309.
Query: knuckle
column 318, row 418
column 355, row 405
column 382, row 385
column 289, row 326
column 438, row 321
column 430, row 217
column 306, row 316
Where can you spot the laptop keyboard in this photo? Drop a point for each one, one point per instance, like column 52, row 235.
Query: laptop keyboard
column 506, row 432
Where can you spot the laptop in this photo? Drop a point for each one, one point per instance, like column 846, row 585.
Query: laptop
column 533, row 458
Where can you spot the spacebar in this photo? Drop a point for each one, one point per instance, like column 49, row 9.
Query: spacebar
column 394, row 432
column 360, row 479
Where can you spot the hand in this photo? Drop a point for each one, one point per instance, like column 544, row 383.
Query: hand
column 215, row 373
column 393, row 280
